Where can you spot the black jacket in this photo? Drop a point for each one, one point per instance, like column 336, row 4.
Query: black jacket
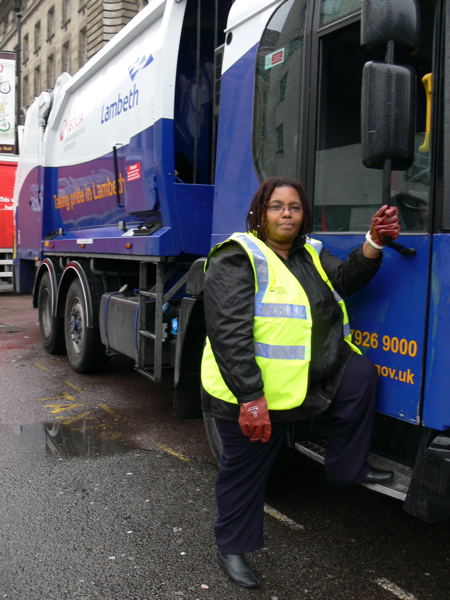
column 229, row 305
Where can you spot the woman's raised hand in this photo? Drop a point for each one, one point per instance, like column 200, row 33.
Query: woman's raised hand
column 384, row 222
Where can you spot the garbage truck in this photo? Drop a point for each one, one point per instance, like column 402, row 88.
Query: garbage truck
column 133, row 168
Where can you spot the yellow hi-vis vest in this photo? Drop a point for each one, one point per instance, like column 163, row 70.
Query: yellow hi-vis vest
column 281, row 327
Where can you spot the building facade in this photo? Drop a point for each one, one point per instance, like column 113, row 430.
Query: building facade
column 58, row 36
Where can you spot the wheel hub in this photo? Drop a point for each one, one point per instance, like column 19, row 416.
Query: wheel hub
column 76, row 325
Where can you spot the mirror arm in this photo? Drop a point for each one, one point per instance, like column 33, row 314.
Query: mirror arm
column 387, row 170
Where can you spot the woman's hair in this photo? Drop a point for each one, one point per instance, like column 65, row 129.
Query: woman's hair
column 257, row 213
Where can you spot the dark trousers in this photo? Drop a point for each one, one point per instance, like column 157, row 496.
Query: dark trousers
column 350, row 423
column 245, row 465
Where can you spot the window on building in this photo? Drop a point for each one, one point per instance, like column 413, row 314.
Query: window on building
column 37, row 36
column 50, row 22
column 283, row 84
column 82, row 47
column 25, row 90
column 26, row 47
column 332, row 10
column 65, row 57
column 37, row 81
column 279, row 131
column 50, row 71
column 66, row 11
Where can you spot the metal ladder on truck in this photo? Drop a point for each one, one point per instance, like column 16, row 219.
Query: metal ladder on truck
column 151, row 331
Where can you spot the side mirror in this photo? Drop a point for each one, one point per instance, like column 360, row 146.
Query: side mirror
column 387, row 115
column 383, row 21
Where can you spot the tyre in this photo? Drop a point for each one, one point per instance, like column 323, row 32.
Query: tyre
column 52, row 328
column 85, row 352
column 214, row 441
column 186, row 399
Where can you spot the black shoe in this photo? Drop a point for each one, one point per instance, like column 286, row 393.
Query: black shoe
column 377, row 476
column 237, row 569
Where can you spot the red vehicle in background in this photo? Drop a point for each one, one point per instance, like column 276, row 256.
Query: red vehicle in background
column 8, row 165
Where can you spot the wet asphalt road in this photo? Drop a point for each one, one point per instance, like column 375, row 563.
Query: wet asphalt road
column 104, row 495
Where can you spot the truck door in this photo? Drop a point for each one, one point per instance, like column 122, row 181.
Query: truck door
column 389, row 317
column 436, row 408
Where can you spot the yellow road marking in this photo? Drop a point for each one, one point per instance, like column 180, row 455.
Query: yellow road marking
column 78, row 417
column 88, row 427
column 109, row 435
column 62, row 396
column 172, row 452
column 110, row 411
column 58, row 408
column 41, row 366
column 74, row 387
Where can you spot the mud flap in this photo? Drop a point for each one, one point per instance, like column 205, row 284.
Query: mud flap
column 428, row 496
column 190, row 342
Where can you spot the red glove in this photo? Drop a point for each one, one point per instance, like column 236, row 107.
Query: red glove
column 254, row 420
column 384, row 223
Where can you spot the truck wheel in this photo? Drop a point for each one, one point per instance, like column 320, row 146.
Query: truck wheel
column 85, row 352
column 52, row 329
column 214, row 441
column 186, row 399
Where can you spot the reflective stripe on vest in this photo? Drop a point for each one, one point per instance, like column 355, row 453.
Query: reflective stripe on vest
column 280, row 352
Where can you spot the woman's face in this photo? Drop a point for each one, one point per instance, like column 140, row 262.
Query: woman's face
column 284, row 215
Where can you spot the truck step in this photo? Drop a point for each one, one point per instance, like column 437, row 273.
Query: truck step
column 147, row 373
column 397, row 488
column 147, row 294
column 147, row 334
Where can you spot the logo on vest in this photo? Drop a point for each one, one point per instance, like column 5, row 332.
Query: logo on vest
column 277, row 289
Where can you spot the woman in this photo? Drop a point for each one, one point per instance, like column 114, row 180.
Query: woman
column 279, row 349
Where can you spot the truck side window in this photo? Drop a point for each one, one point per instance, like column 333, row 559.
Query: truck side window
column 346, row 193
column 278, row 83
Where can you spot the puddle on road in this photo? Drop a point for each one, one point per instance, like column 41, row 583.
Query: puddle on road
column 64, row 441
column 4, row 328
